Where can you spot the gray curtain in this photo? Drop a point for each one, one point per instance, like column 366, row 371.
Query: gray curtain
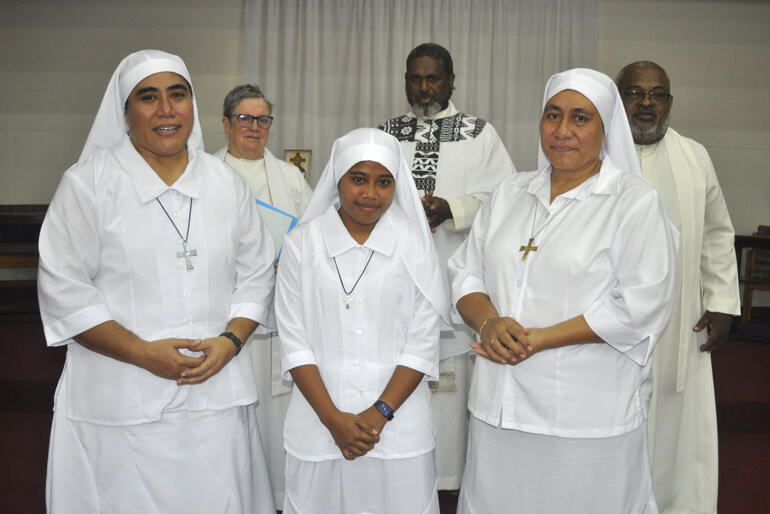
column 334, row 65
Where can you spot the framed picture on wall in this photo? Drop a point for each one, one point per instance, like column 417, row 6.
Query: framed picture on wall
column 301, row 159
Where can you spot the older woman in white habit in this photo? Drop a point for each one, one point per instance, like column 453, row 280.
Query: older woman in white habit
column 154, row 268
column 247, row 116
column 567, row 276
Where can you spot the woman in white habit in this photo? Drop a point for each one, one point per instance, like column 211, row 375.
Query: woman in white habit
column 567, row 275
column 359, row 303
column 154, row 268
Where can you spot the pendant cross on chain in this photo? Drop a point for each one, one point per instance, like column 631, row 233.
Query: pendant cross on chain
column 527, row 248
column 347, row 301
column 187, row 253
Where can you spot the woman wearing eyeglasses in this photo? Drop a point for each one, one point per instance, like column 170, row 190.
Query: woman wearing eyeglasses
column 246, row 118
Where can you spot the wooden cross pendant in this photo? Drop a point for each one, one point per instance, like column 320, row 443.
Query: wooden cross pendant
column 347, row 301
column 187, row 253
column 527, row 248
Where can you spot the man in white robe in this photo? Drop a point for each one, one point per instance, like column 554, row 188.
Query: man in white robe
column 246, row 118
column 457, row 160
column 682, row 421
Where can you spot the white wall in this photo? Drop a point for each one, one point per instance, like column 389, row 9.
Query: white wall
column 56, row 58
column 717, row 54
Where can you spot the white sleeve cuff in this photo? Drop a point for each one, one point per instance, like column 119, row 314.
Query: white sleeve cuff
column 635, row 347
column 255, row 312
column 61, row 331
column 294, row 360
column 464, row 209
column 418, row 364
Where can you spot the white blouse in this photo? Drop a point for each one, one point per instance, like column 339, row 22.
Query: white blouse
column 108, row 252
column 389, row 323
column 606, row 250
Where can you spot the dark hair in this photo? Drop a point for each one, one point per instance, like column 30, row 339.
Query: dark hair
column 434, row 51
column 240, row 93
column 643, row 64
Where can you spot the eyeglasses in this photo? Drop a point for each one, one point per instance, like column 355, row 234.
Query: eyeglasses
column 245, row 120
column 657, row 97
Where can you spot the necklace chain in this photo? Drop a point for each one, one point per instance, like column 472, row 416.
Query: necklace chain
column 533, row 234
column 189, row 219
column 529, row 247
column 186, row 253
column 348, row 293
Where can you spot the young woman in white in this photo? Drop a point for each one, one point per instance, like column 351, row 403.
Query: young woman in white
column 359, row 302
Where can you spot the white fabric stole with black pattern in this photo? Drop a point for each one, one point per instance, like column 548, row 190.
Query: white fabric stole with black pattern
column 428, row 134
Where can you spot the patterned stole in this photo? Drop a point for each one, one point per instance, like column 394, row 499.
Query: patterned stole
column 428, row 135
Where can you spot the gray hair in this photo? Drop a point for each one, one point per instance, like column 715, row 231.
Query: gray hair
column 240, row 93
column 644, row 64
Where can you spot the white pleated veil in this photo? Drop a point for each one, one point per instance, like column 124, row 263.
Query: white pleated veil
column 414, row 242
column 110, row 125
column 601, row 91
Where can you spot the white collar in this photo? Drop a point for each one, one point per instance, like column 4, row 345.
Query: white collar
column 147, row 183
column 607, row 182
column 338, row 240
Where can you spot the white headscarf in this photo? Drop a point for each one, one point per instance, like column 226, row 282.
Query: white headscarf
column 414, row 242
column 110, row 124
column 601, row 91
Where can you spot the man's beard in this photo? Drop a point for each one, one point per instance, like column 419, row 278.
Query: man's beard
column 426, row 111
column 648, row 136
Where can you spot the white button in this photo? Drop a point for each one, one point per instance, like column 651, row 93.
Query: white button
column 188, row 320
column 518, row 283
column 358, row 331
column 186, row 293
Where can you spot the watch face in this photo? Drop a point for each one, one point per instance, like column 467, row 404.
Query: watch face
column 384, row 409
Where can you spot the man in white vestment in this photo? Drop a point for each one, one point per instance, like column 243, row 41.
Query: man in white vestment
column 155, row 267
column 246, row 118
column 682, row 421
column 457, row 160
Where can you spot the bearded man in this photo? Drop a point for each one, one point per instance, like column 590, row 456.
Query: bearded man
column 456, row 161
column 682, row 421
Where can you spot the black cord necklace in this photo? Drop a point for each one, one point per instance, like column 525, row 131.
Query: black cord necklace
column 187, row 253
column 348, row 293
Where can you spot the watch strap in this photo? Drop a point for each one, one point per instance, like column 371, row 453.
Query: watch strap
column 236, row 341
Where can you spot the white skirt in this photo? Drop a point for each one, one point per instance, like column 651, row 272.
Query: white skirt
column 188, row 462
column 519, row 472
column 365, row 485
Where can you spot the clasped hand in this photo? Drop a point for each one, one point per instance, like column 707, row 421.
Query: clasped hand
column 356, row 434
column 163, row 358
column 505, row 341
column 437, row 210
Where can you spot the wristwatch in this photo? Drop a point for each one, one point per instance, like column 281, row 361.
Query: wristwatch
column 236, row 341
column 384, row 409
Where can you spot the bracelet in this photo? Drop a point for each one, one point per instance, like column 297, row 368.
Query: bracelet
column 384, row 409
column 236, row 341
column 483, row 324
